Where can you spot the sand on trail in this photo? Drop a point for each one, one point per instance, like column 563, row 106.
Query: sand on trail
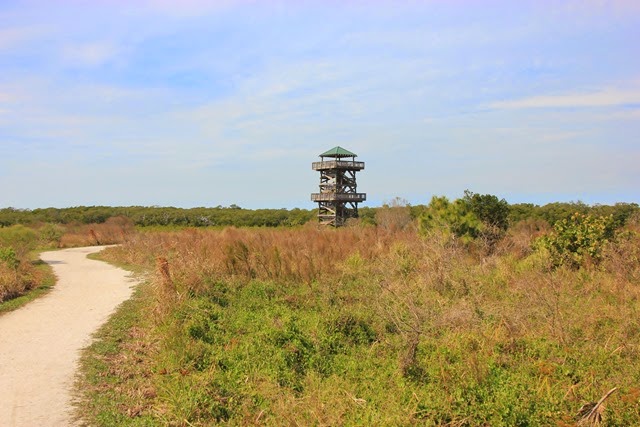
column 40, row 343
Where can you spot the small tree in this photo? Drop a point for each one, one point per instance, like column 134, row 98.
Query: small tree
column 472, row 217
column 455, row 217
column 492, row 212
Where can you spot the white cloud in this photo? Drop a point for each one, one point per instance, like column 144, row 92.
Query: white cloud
column 265, row 91
column 609, row 97
column 90, row 54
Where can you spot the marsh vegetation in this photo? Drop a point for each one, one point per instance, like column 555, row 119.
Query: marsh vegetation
column 440, row 317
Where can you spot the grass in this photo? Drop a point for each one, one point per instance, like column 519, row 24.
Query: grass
column 111, row 369
column 362, row 326
column 99, row 256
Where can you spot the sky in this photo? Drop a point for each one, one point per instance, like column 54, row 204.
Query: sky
column 203, row 103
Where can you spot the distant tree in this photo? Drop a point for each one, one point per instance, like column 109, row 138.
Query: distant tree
column 11, row 216
column 417, row 211
column 367, row 215
column 621, row 212
column 394, row 215
column 493, row 212
column 299, row 216
column 523, row 211
column 554, row 212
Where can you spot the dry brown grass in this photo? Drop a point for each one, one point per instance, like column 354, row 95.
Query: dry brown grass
column 415, row 274
column 114, row 230
column 286, row 255
column 18, row 281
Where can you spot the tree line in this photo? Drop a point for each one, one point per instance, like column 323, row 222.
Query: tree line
column 159, row 216
column 488, row 208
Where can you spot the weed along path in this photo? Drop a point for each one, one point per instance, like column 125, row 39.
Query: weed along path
column 40, row 343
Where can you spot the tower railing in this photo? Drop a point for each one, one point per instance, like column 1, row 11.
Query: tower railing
column 337, row 164
column 339, row 197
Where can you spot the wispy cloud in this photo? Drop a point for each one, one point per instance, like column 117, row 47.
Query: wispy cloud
column 610, row 97
column 90, row 54
column 186, row 94
column 5, row 97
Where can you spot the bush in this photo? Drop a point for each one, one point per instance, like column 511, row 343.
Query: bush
column 20, row 238
column 578, row 241
column 9, row 257
column 16, row 273
column 51, row 234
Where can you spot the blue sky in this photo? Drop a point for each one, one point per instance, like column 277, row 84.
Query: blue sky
column 193, row 103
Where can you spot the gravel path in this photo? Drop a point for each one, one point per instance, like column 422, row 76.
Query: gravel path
column 40, row 343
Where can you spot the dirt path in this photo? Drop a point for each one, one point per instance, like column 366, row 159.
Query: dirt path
column 40, row 343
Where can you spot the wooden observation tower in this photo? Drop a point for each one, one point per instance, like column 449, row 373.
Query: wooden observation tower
column 338, row 198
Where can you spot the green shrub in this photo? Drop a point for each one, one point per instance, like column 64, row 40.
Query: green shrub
column 9, row 257
column 353, row 330
column 579, row 240
column 51, row 234
column 20, row 238
column 297, row 350
column 472, row 217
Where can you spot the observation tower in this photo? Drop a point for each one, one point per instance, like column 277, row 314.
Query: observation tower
column 338, row 197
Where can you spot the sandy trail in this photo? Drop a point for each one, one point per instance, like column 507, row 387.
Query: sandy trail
column 40, row 343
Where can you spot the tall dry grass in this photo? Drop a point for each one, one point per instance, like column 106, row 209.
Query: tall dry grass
column 420, row 282
column 113, row 231
column 20, row 280
column 298, row 256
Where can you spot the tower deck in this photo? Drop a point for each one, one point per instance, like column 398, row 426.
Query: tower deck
column 337, row 164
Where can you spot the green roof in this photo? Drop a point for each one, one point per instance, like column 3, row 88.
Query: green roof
column 338, row 152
